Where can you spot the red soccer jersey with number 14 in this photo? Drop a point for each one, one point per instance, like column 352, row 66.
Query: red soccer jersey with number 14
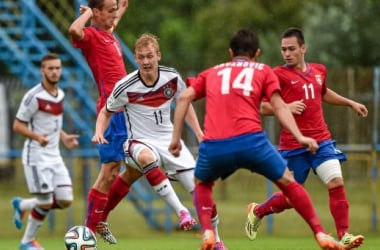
column 233, row 92
column 309, row 86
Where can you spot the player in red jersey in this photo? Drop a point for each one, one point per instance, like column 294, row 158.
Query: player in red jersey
column 233, row 135
column 303, row 87
column 104, row 56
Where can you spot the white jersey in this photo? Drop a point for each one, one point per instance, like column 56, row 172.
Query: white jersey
column 43, row 113
column 147, row 108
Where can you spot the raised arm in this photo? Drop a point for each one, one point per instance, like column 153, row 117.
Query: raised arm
column 76, row 28
column 123, row 6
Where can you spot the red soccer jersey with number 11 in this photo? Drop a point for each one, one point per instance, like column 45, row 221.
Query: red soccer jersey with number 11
column 233, row 92
column 309, row 86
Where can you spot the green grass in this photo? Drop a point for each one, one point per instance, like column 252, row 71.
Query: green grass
column 131, row 230
column 189, row 240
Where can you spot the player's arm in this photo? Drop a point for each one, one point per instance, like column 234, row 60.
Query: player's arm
column 183, row 102
column 296, row 107
column 76, row 28
column 102, row 122
column 69, row 140
column 334, row 98
column 192, row 120
column 22, row 128
column 123, row 6
column 285, row 117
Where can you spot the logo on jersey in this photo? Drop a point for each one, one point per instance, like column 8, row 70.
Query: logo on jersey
column 54, row 108
column 157, row 97
column 318, row 78
column 294, row 81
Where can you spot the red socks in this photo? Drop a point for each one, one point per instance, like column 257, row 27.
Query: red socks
column 302, row 203
column 155, row 176
column 276, row 203
column 117, row 192
column 339, row 209
column 204, row 204
column 96, row 203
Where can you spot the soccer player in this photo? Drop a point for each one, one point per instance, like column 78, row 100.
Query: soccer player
column 39, row 119
column 234, row 137
column 304, row 88
column 104, row 56
column 146, row 96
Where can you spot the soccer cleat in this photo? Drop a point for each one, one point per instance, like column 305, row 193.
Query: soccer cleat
column 220, row 246
column 350, row 241
column 326, row 242
column 186, row 221
column 208, row 240
column 18, row 214
column 253, row 222
column 33, row 245
column 103, row 230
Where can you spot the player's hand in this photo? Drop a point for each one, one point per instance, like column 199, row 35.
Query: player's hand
column 310, row 144
column 84, row 8
column 297, row 107
column 99, row 139
column 43, row 140
column 360, row 109
column 71, row 141
column 175, row 148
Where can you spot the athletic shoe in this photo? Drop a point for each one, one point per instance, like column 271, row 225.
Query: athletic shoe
column 208, row 240
column 253, row 222
column 220, row 246
column 103, row 230
column 350, row 241
column 327, row 242
column 33, row 245
column 186, row 221
column 18, row 214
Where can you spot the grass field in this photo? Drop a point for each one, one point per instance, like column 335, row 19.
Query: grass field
column 191, row 241
column 289, row 230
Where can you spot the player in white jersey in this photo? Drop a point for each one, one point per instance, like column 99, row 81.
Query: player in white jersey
column 39, row 119
column 146, row 96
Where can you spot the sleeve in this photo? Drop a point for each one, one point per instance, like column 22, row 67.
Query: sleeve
column 85, row 42
column 272, row 85
column 27, row 109
column 118, row 97
column 198, row 84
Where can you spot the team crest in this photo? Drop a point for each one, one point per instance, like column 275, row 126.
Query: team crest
column 168, row 92
column 318, row 78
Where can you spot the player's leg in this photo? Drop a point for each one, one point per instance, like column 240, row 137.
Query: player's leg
column 20, row 207
column 330, row 173
column 111, row 157
column 277, row 202
column 146, row 159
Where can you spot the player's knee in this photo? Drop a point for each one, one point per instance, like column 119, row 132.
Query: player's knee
column 330, row 173
column 64, row 203
column 146, row 157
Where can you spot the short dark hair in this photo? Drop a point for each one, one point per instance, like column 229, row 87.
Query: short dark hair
column 98, row 4
column 244, row 42
column 48, row 57
column 294, row 32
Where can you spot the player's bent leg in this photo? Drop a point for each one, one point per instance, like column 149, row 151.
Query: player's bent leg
column 350, row 241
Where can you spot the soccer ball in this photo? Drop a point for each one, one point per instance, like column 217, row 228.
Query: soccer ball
column 80, row 238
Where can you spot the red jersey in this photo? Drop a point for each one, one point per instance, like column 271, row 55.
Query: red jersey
column 104, row 56
column 309, row 86
column 233, row 92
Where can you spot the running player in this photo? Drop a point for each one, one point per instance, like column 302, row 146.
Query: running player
column 146, row 96
column 304, row 87
column 104, row 56
column 39, row 119
column 234, row 137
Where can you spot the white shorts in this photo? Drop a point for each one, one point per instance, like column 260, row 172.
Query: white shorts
column 171, row 165
column 43, row 179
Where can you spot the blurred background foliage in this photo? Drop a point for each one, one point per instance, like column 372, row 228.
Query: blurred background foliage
column 194, row 34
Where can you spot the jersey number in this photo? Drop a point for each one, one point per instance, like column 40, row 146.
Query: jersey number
column 309, row 91
column 242, row 81
column 158, row 116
